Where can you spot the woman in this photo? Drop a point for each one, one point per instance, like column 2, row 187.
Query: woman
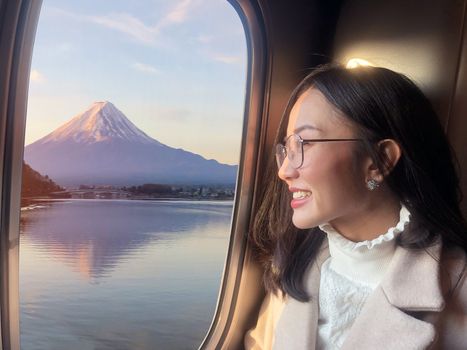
column 361, row 236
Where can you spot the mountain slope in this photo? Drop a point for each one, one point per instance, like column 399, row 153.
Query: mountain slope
column 102, row 146
column 101, row 122
column 35, row 184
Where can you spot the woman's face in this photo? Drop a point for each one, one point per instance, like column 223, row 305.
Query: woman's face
column 330, row 184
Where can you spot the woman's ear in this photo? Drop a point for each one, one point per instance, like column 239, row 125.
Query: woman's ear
column 390, row 153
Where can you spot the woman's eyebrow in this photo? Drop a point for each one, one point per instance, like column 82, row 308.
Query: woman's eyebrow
column 306, row 127
column 303, row 127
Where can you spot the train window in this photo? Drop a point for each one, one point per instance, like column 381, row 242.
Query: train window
column 133, row 138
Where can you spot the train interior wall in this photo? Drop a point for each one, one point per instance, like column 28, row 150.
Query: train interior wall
column 424, row 40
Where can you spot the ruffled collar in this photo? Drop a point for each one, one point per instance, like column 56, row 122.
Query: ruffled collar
column 366, row 261
column 393, row 232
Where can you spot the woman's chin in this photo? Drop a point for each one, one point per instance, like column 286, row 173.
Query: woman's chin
column 303, row 223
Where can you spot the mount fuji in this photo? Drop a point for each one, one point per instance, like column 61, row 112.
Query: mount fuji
column 102, row 146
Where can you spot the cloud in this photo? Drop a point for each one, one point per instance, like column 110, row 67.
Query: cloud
column 146, row 68
column 121, row 22
column 132, row 26
column 178, row 14
column 129, row 25
column 36, row 76
column 227, row 59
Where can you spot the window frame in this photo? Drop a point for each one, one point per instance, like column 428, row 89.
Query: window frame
column 18, row 23
column 234, row 305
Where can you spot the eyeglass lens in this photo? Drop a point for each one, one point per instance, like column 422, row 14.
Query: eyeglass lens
column 292, row 150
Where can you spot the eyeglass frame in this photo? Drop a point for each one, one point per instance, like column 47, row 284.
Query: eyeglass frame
column 302, row 142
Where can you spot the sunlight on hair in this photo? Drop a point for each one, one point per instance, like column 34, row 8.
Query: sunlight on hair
column 357, row 62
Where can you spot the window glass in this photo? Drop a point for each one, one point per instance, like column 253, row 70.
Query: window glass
column 132, row 146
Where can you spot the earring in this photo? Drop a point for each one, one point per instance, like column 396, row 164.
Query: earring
column 372, row 184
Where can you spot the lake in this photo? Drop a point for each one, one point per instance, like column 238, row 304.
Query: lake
column 120, row 274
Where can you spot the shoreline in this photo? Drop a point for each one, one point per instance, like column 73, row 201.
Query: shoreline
column 34, row 202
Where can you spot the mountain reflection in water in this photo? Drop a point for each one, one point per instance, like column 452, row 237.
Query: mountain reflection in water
column 120, row 274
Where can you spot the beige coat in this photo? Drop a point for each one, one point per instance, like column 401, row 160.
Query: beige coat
column 421, row 303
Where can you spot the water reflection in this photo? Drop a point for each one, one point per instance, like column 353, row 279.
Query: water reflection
column 93, row 236
column 120, row 274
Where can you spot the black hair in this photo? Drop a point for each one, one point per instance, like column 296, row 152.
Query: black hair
column 382, row 104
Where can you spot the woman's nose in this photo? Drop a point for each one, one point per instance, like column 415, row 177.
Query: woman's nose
column 287, row 171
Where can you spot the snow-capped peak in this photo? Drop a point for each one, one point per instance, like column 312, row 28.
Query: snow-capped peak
column 101, row 122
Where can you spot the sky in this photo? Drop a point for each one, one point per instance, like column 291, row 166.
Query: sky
column 175, row 68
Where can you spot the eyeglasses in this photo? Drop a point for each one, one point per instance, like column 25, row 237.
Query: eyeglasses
column 293, row 149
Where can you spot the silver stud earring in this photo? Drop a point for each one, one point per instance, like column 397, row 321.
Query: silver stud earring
column 372, row 184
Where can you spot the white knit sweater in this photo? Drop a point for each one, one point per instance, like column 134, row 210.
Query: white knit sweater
column 348, row 276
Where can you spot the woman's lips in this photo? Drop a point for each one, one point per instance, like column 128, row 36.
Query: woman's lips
column 300, row 197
